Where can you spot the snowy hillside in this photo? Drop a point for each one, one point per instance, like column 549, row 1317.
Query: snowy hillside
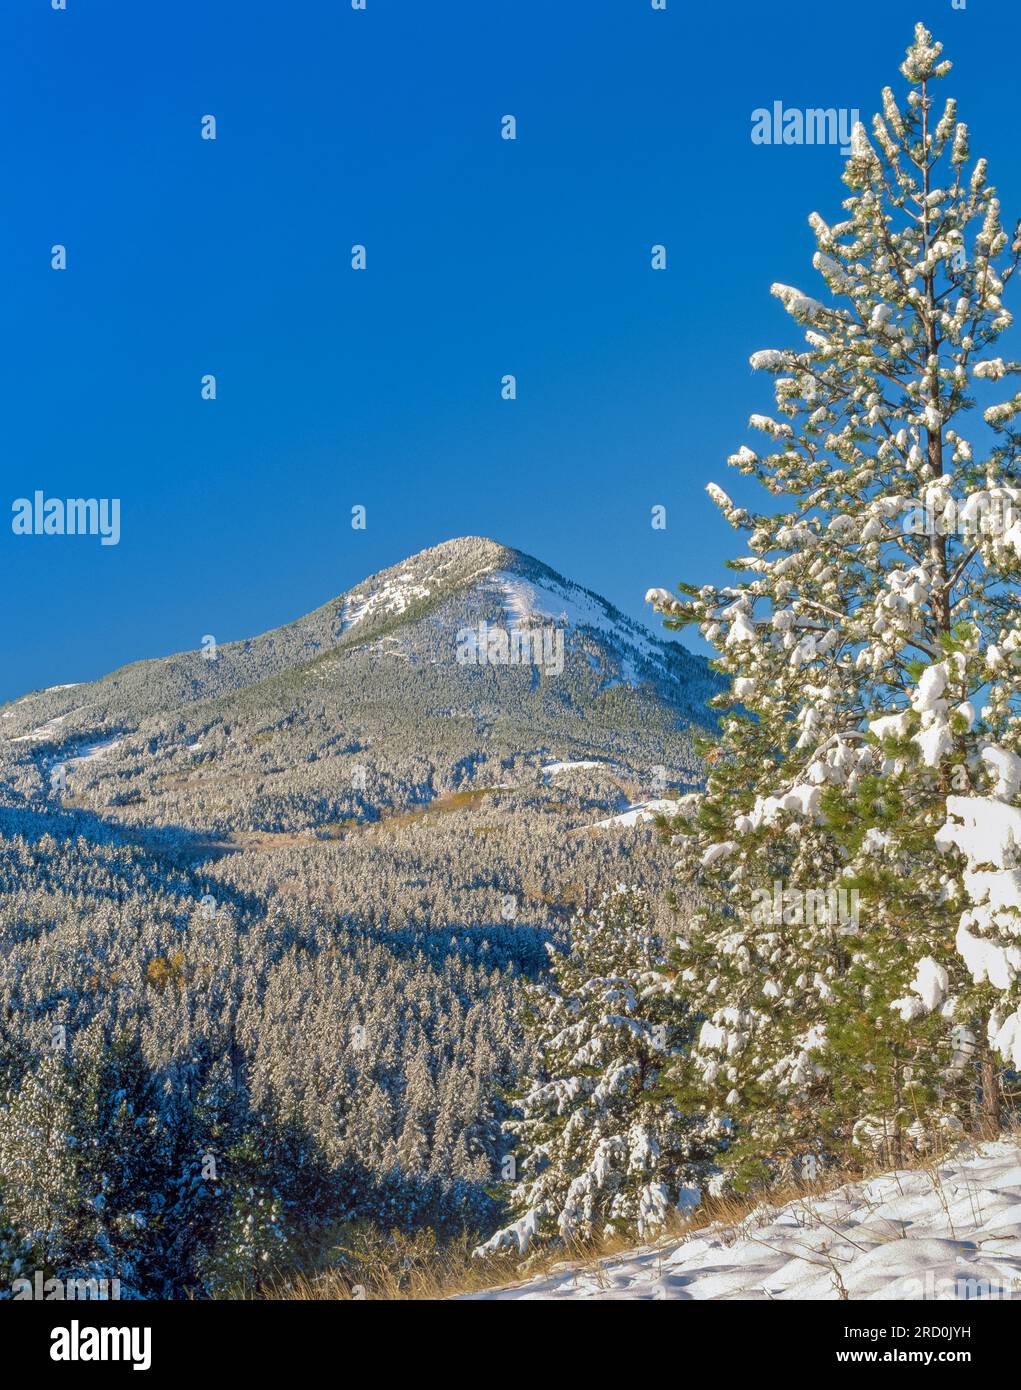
column 368, row 707
column 413, row 612
column 943, row 1233
column 328, row 860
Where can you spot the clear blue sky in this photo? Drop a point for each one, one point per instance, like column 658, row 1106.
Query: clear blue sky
column 485, row 257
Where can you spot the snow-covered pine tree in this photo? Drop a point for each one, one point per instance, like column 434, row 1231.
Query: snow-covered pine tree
column 249, row 1237
column 985, row 828
column 984, row 825
column 413, row 1144
column 121, row 1152
column 43, row 1204
column 599, row 1147
column 855, row 649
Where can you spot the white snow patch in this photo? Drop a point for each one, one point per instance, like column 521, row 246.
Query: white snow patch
column 47, row 730
column 640, row 812
column 92, row 752
column 525, row 602
column 904, row 1235
column 391, row 598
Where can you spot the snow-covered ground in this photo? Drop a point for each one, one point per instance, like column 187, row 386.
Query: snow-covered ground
column 637, row 814
column 44, row 731
column 391, row 598
column 945, row 1233
column 524, row 601
column 552, row 769
column 92, row 752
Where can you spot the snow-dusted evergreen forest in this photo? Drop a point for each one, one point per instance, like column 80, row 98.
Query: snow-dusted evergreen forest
column 268, row 916
column 373, row 925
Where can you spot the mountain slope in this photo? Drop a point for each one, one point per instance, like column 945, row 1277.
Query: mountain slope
column 303, row 885
column 463, row 664
column 950, row 1232
column 517, row 587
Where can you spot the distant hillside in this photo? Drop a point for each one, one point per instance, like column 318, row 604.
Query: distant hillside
column 287, row 897
column 369, row 703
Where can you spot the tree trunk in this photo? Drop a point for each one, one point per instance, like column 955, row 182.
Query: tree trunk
column 989, row 1110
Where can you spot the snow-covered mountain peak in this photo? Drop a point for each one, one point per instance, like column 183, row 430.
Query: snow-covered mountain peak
column 519, row 590
column 413, row 614
column 452, row 564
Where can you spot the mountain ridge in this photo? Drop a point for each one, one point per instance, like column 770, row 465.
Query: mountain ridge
column 367, row 707
column 351, row 617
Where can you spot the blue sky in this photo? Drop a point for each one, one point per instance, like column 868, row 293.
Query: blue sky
column 485, row 257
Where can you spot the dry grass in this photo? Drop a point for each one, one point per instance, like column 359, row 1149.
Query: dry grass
column 450, row 1271
column 396, row 1268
